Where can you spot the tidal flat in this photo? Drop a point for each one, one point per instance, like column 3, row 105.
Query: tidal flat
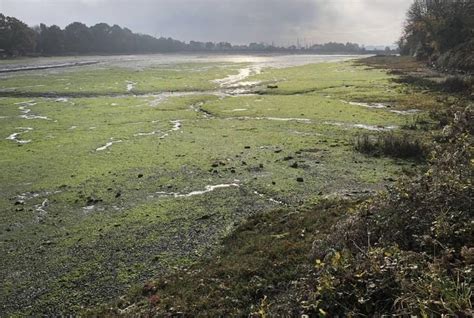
column 117, row 172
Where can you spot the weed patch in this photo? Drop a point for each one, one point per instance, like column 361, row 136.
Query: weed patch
column 391, row 145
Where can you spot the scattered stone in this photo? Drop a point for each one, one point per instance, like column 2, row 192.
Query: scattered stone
column 244, row 163
column 278, row 151
column 118, row 194
column 247, row 147
column 232, row 170
column 294, row 165
column 261, row 166
column 288, row 158
column 300, row 179
column 140, row 175
column 215, row 165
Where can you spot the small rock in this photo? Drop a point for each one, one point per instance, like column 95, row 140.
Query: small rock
column 272, row 86
column 278, row 151
column 247, row 147
column 300, row 179
column 140, row 175
column 288, row 158
column 294, row 165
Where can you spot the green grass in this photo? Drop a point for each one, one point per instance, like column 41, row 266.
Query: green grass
column 61, row 256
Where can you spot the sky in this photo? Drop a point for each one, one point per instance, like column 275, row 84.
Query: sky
column 283, row 22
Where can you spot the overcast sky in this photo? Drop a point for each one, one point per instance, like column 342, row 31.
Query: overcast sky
column 370, row 22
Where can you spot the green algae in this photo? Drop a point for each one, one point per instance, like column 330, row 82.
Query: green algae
column 81, row 222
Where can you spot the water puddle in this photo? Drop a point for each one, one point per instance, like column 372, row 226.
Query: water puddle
column 107, row 145
column 130, row 86
column 25, row 110
column 208, row 188
column 176, row 126
column 40, row 208
column 362, row 126
column 261, row 195
column 367, row 105
column 15, row 136
column 383, row 106
column 237, row 80
column 237, row 110
column 406, row 112
column 301, row 120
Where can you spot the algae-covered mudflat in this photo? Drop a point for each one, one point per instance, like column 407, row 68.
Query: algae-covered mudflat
column 115, row 172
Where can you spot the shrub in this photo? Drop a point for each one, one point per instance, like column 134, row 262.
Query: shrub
column 390, row 145
column 407, row 251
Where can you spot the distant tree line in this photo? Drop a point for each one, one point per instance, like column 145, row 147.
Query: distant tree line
column 442, row 32
column 16, row 39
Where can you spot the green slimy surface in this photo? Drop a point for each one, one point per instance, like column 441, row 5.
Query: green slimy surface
column 82, row 221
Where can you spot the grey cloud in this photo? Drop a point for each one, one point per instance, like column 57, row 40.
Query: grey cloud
column 237, row 21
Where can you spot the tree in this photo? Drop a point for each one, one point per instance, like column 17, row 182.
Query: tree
column 434, row 27
column 78, row 38
column 50, row 39
column 16, row 38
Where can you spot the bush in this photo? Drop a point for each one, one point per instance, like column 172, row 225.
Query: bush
column 390, row 145
column 407, row 251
